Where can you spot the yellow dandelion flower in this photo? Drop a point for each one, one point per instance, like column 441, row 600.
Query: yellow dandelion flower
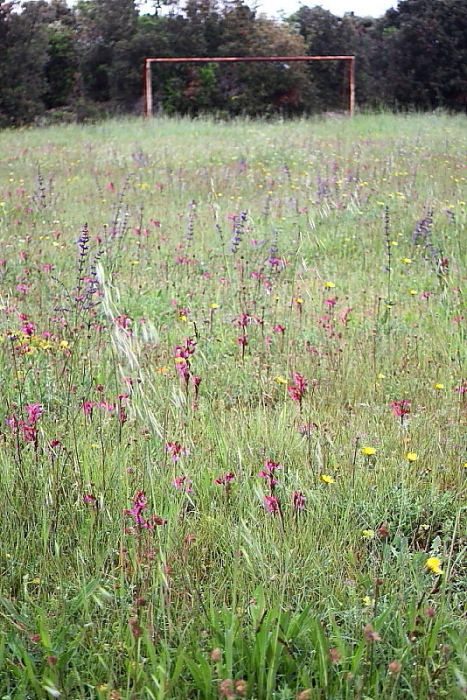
column 433, row 565
column 326, row 479
column 438, row 385
column 368, row 451
column 411, row 456
column 368, row 534
column 213, row 306
column 380, row 376
column 329, row 285
column 412, row 292
column 407, row 261
column 298, row 300
column 280, row 380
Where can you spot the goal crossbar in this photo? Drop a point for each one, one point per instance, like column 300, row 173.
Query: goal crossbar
column 245, row 59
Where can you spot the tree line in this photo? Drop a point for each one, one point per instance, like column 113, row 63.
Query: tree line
column 84, row 61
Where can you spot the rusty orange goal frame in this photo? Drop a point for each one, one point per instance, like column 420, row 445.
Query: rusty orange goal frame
column 244, row 59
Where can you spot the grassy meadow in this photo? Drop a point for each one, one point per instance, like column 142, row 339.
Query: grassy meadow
column 233, row 447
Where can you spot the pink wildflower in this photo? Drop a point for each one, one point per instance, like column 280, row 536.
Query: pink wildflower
column 307, row 430
column 87, row 407
column 28, row 328
column 89, row 499
column 401, row 408
column 271, row 504
column 344, row 315
column 183, row 484
column 140, row 505
column 225, row 479
column 176, row 450
column 34, row 411
column 298, row 388
column 298, row 500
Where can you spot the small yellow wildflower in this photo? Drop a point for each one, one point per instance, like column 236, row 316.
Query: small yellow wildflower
column 368, row 451
column 411, row 456
column 407, row 261
column 367, row 601
column 412, row 291
column 368, row 534
column 433, row 565
column 213, row 306
column 298, row 301
column 326, row 479
column 64, row 344
column 329, row 285
column 380, row 376
column 280, row 380
column 438, row 385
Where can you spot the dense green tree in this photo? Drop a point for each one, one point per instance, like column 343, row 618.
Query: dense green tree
column 325, row 35
column 265, row 88
column 62, row 59
column 22, row 62
column 56, row 55
column 422, row 54
column 107, row 30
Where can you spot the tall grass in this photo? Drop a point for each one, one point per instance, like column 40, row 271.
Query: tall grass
column 232, row 446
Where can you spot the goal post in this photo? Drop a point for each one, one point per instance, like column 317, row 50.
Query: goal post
column 350, row 61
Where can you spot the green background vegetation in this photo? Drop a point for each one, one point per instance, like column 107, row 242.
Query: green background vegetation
column 331, row 248
column 83, row 62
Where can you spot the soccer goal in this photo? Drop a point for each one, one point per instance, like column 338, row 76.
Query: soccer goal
column 349, row 60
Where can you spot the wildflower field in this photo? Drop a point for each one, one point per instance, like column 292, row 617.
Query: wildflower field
column 234, row 403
